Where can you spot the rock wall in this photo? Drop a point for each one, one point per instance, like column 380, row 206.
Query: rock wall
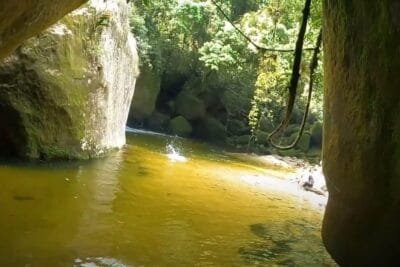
column 361, row 145
column 66, row 93
column 21, row 19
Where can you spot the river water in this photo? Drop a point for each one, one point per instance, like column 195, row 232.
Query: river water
column 161, row 201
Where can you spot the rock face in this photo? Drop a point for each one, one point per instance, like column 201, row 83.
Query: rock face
column 146, row 92
column 361, row 138
column 25, row 18
column 66, row 93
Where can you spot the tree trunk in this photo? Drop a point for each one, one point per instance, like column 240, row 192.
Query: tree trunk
column 362, row 131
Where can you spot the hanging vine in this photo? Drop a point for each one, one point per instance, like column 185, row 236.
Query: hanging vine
column 295, row 75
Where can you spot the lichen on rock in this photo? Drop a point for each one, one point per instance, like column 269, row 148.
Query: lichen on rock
column 66, row 93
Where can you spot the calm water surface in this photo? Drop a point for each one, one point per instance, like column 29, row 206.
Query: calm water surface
column 141, row 207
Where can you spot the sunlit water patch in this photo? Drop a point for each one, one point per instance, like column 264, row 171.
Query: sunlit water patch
column 139, row 207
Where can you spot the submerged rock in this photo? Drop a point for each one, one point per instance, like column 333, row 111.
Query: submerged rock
column 66, row 93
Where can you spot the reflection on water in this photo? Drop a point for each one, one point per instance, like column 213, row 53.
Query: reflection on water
column 139, row 208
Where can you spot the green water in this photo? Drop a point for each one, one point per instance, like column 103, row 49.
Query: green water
column 140, row 208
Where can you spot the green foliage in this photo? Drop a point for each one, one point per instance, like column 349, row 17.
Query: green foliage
column 191, row 39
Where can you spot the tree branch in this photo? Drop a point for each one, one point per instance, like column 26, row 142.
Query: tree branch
column 257, row 46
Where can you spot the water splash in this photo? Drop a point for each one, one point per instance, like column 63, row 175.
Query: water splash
column 173, row 152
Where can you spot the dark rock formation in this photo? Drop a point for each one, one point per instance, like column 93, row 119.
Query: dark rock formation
column 361, row 157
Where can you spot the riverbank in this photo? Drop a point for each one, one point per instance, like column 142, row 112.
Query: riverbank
column 291, row 175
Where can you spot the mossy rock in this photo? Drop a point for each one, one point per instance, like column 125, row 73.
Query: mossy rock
column 211, row 129
column 189, row 106
column 145, row 96
column 180, row 126
column 158, row 122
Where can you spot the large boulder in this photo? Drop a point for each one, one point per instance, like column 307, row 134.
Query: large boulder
column 22, row 19
column 66, row 93
column 157, row 122
column 146, row 92
column 180, row 126
column 211, row 129
column 189, row 106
